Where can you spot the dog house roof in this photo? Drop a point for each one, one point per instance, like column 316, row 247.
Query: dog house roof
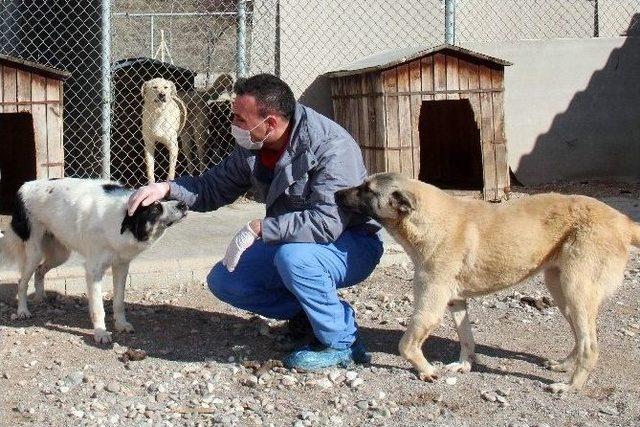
column 34, row 67
column 390, row 58
column 144, row 68
column 145, row 62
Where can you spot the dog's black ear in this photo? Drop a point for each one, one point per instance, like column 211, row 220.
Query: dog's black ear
column 403, row 201
column 136, row 225
column 127, row 223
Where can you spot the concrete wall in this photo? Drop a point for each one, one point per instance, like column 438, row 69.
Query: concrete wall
column 319, row 36
column 572, row 107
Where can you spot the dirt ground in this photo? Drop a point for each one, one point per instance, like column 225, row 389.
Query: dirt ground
column 203, row 362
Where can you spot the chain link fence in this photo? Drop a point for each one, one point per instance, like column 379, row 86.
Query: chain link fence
column 63, row 35
column 201, row 46
column 484, row 20
column 191, row 45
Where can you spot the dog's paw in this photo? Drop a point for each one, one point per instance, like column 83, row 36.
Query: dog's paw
column 123, row 327
column 23, row 313
column 461, row 367
column 559, row 388
column 101, row 336
column 429, row 376
column 554, row 365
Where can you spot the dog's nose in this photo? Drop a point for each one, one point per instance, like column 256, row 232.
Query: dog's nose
column 162, row 96
column 182, row 206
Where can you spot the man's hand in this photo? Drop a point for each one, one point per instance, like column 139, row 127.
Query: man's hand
column 256, row 226
column 243, row 239
column 147, row 195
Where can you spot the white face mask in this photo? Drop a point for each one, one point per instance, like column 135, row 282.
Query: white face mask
column 243, row 137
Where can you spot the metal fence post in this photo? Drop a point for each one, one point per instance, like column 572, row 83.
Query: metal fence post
column 450, row 21
column 596, row 19
column 276, row 59
column 241, row 38
column 152, row 40
column 105, row 70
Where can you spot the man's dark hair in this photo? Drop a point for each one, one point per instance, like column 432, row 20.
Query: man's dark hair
column 272, row 94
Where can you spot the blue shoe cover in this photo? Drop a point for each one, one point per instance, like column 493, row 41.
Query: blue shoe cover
column 315, row 358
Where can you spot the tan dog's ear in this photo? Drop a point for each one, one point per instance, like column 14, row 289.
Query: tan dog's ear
column 143, row 88
column 403, row 201
column 172, row 85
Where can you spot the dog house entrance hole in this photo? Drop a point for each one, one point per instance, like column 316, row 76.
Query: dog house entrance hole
column 17, row 156
column 450, row 148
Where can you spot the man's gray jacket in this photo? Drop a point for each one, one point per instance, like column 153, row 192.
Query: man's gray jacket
column 300, row 207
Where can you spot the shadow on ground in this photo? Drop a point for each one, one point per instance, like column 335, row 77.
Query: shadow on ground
column 186, row 334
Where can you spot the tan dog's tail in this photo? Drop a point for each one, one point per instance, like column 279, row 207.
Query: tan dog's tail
column 183, row 112
column 634, row 231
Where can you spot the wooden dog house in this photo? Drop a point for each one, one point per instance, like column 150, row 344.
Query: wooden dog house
column 434, row 114
column 31, row 99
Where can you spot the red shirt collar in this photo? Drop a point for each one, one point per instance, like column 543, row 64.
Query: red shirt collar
column 269, row 158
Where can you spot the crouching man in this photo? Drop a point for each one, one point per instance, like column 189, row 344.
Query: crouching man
column 291, row 263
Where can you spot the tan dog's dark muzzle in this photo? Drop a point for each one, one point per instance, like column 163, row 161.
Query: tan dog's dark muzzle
column 347, row 199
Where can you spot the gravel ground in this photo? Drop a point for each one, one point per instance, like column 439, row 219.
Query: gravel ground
column 201, row 362
column 208, row 363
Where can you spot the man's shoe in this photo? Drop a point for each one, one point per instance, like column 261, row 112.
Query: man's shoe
column 315, row 358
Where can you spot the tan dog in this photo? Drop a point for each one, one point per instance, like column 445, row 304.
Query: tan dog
column 163, row 118
column 194, row 136
column 466, row 248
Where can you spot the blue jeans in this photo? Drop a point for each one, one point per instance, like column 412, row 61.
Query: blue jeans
column 280, row 280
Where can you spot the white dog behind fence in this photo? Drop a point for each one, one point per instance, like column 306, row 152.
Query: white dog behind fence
column 164, row 116
column 169, row 116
